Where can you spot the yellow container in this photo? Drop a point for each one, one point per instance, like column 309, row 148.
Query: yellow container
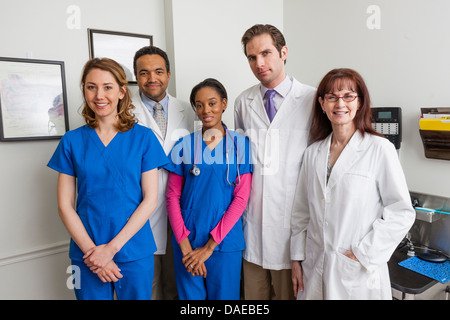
column 442, row 124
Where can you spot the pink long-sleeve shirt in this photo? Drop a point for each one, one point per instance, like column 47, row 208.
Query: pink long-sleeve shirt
column 173, row 195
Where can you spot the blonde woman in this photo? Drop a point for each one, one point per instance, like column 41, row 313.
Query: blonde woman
column 112, row 163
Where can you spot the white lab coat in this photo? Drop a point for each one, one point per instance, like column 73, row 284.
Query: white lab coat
column 277, row 150
column 365, row 207
column 180, row 123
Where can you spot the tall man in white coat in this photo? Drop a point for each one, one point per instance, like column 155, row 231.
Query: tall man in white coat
column 278, row 128
column 170, row 119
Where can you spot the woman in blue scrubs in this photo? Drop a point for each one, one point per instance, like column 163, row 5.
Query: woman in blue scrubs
column 208, row 190
column 112, row 163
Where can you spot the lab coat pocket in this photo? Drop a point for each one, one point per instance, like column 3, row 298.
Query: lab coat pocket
column 359, row 184
column 347, row 276
column 341, row 252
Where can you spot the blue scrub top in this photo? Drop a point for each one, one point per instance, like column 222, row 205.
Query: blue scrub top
column 205, row 198
column 109, row 184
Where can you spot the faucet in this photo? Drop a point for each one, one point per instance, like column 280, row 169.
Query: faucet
column 411, row 252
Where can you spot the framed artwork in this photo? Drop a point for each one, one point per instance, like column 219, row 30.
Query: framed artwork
column 119, row 46
column 33, row 100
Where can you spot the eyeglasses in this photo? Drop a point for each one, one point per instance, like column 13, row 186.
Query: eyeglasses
column 347, row 98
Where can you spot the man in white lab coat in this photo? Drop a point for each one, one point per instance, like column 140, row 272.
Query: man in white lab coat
column 173, row 120
column 278, row 136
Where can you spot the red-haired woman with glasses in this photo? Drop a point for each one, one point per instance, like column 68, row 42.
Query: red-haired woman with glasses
column 352, row 205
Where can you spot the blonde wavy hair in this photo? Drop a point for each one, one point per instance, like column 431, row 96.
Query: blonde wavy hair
column 126, row 119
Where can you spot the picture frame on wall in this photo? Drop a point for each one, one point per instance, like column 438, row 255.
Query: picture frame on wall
column 33, row 99
column 119, row 46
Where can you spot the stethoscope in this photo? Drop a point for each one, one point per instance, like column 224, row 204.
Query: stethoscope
column 196, row 170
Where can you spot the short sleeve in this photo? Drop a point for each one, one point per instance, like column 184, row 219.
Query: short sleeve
column 245, row 157
column 176, row 158
column 153, row 154
column 61, row 160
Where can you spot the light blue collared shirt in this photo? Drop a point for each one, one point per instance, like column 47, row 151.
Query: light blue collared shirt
column 149, row 104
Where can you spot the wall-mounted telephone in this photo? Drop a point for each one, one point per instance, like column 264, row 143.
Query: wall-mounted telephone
column 388, row 121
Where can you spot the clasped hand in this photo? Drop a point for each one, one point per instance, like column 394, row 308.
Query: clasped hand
column 99, row 260
column 194, row 261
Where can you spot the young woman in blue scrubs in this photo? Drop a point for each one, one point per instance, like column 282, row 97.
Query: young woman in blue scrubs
column 208, row 190
column 112, row 164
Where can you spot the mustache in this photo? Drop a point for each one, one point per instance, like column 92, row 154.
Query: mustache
column 152, row 83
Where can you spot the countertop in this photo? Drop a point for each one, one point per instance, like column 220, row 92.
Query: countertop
column 406, row 280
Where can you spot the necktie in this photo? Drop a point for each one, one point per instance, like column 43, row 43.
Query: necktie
column 270, row 105
column 160, row 120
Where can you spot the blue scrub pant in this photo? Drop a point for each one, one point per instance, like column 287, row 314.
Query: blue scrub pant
column 222, row 281
column 136, row 283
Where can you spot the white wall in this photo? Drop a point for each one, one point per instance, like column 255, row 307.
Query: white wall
column 33, row 241
column 405, row 63
column 202, row 38
column 207, row 43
